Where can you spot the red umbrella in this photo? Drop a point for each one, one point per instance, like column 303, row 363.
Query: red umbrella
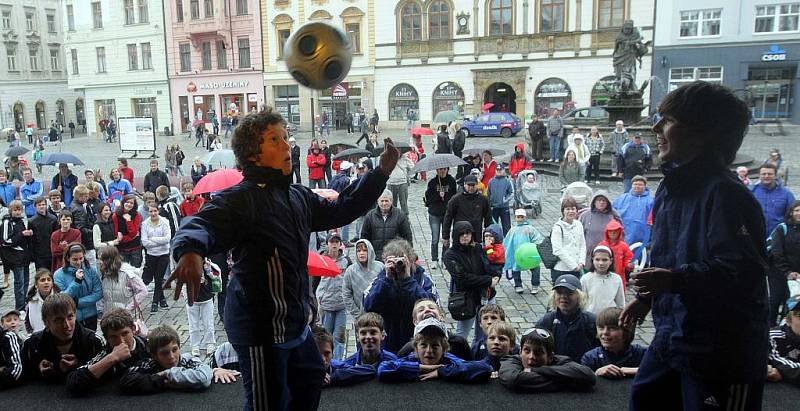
column 326, row 193
column 218, row 180
column 197, row 123
column 422, row 131
column 322, row 266
column 487, row 106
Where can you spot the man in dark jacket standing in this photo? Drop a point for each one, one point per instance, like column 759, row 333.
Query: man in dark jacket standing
column 385, row 223
column 707, row 285
column 83, row 218
column 43, row 224
column 536, row 134
column 266, row 223
column 439, row 192
column 634, row 160
column 468, row 205
column 154, row 178
column 443, row 144
column 295, row 160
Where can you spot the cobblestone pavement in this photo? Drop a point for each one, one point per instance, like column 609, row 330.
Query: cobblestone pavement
column 522, row 310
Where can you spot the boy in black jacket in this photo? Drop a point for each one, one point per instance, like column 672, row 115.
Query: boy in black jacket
column 784, row 356
column 10, row 359
column 123, row 350
column 43, row 225
column 62, row 346
column 538, row 369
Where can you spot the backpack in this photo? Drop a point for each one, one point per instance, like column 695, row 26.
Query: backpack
column 770, row 240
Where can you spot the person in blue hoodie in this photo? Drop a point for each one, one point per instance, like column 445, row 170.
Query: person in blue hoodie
column 266, row 223
column 430, row 360
column 634, row 209
column 80, row 281
column 8, row 192
column 363, row 365
column 393, row 294
column 501, row 191
column 707, row 283
column 29, row 191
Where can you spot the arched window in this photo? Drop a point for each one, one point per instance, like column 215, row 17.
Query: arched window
column 448, row 96
column 610, row 13
column 402, row 98
column 439, row 20
column 603, row 90
column 411, row 22
column 19, row 116
column 41, row 117
column 551, row 15
column 501, row 17
column 552, row 93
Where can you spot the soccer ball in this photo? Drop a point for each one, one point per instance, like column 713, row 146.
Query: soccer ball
column 318, row 55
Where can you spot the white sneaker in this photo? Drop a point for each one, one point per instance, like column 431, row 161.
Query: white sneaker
column 534, row 290
column 210, row 349
column 519, row 290
column 196, row 352
column 432, row 265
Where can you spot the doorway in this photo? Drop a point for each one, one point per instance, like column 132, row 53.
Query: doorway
column 502, row 96
column 19, row 116
column 770, row 90
column 41, row 118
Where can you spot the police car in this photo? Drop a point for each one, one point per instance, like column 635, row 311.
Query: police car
column 493, row 124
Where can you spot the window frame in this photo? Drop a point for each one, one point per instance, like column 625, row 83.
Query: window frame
column 129, row 13
column 208, row 8
column 147, row 56
column 185, row 57
column 74, row 60
column 282, row 40
column 443, row 16
column 416, row 19
column 133, row 57
column 242, row 8
column 553, row 5
column 33, row 59
column 55, row 60
column 222, row 55
column 700, row 23
column 194, row 6
column 355, row 39
column 6, row 19
column 144, row 12
column 179, row 11
column 205, row 56
column 97, row 15
column 776, row 17
column 11, row 58
column 695, row 75
column 242, row 53
column 70, row 17
column 52, row 27
column 30, row 20
column 501, row 24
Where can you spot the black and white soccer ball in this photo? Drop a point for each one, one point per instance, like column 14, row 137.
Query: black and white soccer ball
column 318, row 55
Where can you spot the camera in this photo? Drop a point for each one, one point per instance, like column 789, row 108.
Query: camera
column 399, row 263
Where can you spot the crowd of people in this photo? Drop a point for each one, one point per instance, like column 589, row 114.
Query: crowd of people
column 97, row 248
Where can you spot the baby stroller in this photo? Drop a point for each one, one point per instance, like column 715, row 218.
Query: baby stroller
column 580, row 192
column 527, row 194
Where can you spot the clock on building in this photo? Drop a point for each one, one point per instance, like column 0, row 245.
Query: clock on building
column 463, row 23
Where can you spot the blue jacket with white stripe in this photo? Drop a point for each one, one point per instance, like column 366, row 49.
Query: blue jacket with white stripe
column 455, row 369
column 352, row 371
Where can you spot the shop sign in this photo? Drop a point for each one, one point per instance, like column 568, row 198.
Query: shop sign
column 339, row 91
column 212, row 85
column 198, row 99
column 775, row 53
column 142, row 92
column 448, row 91
column 553, row 89
column 252, row 98
column 405, row 92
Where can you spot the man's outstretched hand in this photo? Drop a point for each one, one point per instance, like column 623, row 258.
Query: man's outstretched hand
column 389, row 157
column 189, row 271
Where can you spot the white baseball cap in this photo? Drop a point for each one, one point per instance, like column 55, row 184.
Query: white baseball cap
column 432, row 323
column 345, row 165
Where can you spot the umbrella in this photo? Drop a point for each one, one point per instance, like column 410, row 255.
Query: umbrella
column 487, row 106
column 337, row 147
column 352, row 152
column 59, row 158
column 435, row 161
column 326, row 193
column 403, row 147
column 197, row 123
column 447, row 116
column 7, row 130
column 322, row 266
column 16, row 151
column 223, row 157
column 422, row 131
column 218, row 180
column 480, row 149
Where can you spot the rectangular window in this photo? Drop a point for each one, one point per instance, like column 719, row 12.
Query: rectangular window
column 144, row 17
column 194, row 9
column 186, row 56
column 133, row 57
column 610, row 13
column 101, row 59
column 222, row 57
column 241, row 7
column 179, row 10
column 206, row 50
column 54, row 60
column 208, row 6
column 354, row 34
column 33, row 57
column 74, row 55
column 551, row 16
column 97, row 15
column 147, row 57
column 700, row 23
column 777, row 18
column 283, row 36
column 30, row 20
column 11, row 57
column 6, row 19
column 682, row 75
column 51, row 21
column 130, row 17
column 70, row 18
column 244, row 52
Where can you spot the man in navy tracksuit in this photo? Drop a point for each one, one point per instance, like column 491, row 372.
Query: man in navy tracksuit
column 266, row 223
column 707, row 284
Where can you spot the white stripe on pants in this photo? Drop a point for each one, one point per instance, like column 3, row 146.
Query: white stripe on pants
column 201, row 323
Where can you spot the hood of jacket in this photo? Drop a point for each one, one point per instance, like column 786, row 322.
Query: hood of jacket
column 461, row 227
column 612, row 226
column 496, row 231
column 372, row 263
column 609, row 207
column 521, row 152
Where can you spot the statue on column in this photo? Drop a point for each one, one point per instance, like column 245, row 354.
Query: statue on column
column 628, row 50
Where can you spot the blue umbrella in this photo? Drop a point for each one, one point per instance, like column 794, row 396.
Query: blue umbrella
column 59, row 158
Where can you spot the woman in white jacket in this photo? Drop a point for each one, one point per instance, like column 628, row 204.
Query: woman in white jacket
column 569, row 244
column 156, row 236
column 122, row 284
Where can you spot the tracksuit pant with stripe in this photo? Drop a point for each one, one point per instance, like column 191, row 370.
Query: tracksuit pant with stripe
column 282, row 379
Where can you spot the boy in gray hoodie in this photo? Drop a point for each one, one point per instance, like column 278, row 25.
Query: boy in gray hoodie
column 359, row 276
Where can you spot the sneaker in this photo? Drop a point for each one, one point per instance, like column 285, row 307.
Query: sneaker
column 597, row 182
column 432, row 265
column 210, row 349
column 196, row 352
column 153, row 308
column 163, row 304
column 519, row 290
column 534, row 290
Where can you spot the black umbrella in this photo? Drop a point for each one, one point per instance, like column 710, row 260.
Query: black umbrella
column 436, row 161
column 480, row 149
column 351, row 152
column 16, row 151
column 403, row 147
column 337, row 147
column 60, row 158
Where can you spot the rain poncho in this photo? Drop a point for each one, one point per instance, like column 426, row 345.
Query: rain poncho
column 519, row 234
column 634, row 209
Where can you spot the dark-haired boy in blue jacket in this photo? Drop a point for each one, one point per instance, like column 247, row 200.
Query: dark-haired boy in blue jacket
column 363, row 365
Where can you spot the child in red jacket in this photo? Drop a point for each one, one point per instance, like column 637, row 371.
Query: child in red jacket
column 493, row 245
column 623, row 256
